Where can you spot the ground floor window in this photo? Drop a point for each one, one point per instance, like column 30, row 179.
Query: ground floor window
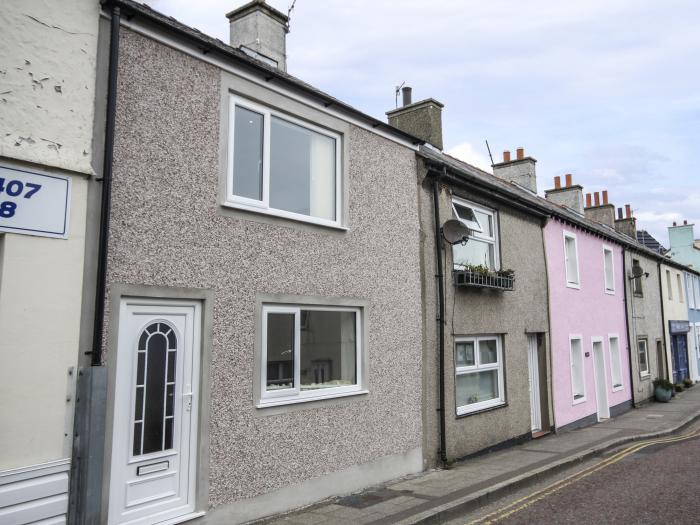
column 478, row 373
column 643, row 353
column 615, row 362
column 310, row 352
column 578, row 383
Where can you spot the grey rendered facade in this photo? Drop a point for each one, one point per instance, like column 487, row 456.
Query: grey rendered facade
column 646, row 325
column 511, row 315
column 171, row 236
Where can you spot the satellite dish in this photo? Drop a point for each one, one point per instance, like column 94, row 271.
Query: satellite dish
column 455, row 232
column 637, row 270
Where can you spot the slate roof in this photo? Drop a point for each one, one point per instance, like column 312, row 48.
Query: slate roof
column 506, row 191
column 646, row 239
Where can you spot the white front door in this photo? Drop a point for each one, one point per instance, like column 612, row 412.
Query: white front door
column 601, row 386
column 153, row 466
column 534, row 381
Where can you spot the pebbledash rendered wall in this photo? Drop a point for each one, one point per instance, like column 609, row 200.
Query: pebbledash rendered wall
column 168, row 229
column 473, row 311
column 588, row 312
column 645, row 323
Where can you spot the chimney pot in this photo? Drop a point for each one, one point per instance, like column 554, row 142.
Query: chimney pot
column 568, row 180
column 685, row 222
column 628, row 211
column 520, row 153
column 506, row 156
column 605, row 197
column 596, row 198
column 406, row 95
column 674, row 223
column 588, row 200
column 557, row 182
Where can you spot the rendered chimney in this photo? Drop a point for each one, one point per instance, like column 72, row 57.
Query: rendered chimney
column 422, row 119
column 603, row 213
column 406, row 93
column 521, row 171
column 260, row 31
column 628, row 224
column 570, row 195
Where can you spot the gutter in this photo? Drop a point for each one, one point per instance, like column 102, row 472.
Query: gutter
column 625, row 282
column 106, row 200
column 441, row 315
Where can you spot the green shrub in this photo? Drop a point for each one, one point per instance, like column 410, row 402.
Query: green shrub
column 663, row 383
column 679, row 387
column 688, row 382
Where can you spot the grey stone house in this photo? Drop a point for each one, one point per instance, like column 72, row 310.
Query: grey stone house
column 262, row 330
column 492, row 388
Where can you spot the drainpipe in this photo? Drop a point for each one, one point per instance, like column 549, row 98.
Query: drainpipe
column 626, row 281
column 106, row 202
column 441, row 315
column 663, row 325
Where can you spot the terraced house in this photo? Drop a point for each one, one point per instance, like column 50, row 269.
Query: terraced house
column 263, row 309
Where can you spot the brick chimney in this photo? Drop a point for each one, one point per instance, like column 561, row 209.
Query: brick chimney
column 520, row 171
column 602, row 212
column 570, row 195
column 421, row 119
column 260, row 31
column 626, row 225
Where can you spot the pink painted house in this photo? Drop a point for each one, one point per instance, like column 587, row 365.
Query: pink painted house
column 589, row 343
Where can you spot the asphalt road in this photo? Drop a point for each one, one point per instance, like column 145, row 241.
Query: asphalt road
column 636, row 484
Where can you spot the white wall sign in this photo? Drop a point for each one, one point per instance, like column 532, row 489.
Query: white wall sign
column 34, row 203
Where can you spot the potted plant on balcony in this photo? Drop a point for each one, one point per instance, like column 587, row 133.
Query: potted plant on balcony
column 663, row 389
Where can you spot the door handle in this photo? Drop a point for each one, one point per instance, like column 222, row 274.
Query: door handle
column 187, row 399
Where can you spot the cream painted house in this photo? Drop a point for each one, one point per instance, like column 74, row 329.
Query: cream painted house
column 676, row 325
column 47, row 100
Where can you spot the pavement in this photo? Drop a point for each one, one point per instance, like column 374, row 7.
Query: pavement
column 438, row 496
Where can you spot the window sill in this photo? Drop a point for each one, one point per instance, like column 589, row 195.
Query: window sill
column 480, row 407
column 644, row 376
column 306, row 399
column 610, row 292
column 618, row 388
column 574, row 286
column 283, row 214
column 579, row 401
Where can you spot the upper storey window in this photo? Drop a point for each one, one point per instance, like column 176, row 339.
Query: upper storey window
column 571, row 260
column 282, row 166
column 482, row 247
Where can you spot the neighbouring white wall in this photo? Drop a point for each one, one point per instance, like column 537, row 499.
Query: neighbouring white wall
column 674, row 309
column 40, row 298
column 47, row 81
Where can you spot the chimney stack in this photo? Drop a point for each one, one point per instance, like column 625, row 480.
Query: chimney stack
column 521, row 171
column 260, row 31
column 685, row 222
column 628, row 224
column 604, row 213
column 571, row 195
column 422, row 119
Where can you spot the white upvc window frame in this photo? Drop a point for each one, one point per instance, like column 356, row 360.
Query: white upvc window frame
column 647, row 372
column 696, row 291
column 582, row 399
column 478, row 367
column 295, row 394
column 569, row 282
column 669, row 285
column 679, row 285
column 621, row 386
column 263, row 206
column 479, row 234
column 609, row 290
column 690, row 290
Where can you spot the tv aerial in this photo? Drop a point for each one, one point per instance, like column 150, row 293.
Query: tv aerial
column 455, row 232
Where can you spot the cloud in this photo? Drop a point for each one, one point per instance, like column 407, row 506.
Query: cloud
column 466, row 152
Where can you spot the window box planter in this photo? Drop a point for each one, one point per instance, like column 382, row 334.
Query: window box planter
column 480, row 279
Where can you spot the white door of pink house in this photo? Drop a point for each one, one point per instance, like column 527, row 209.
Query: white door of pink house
column 600, row 379
column 154, row 439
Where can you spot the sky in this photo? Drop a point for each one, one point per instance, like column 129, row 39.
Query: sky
column 607, row 90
